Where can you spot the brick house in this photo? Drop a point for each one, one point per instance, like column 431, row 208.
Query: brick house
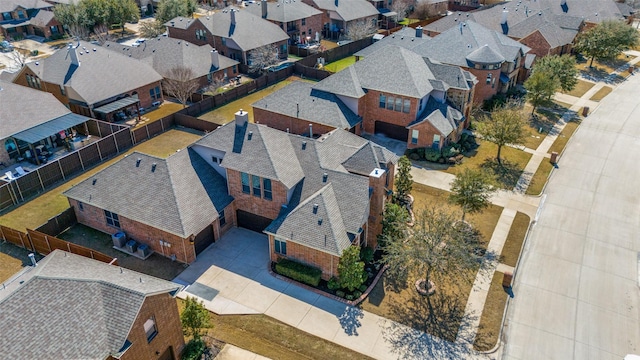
column 392, row 91
column 299, row 20
column 20, row 18
column 80, row 308
column 233, row 32
column 94, row 81
column 164, row 54
column 339, row 15
column 181, row 204
column 496, row 60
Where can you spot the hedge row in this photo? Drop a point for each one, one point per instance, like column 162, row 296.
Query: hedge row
column 300, row 272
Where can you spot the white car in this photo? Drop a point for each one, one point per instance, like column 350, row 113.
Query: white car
column 138, row 42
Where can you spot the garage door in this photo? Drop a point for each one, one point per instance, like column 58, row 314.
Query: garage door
column 251, row 221
column 204, row 239
column 393, row 131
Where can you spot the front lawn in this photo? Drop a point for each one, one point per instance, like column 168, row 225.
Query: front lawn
column 341, row 64
column 581, row 88
column 513, row 245
column 540, row 178
column 562, row 139
column 601, row 93
column 491, row 320
column 602, row 68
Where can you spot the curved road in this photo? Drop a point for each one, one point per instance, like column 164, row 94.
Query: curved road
column 576, row 291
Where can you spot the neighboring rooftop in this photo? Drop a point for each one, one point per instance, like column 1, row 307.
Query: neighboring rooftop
column 11, row 5
column 165, row 191
column 442, row 116
column 348, row 10
column 283, row 10
column 406, row 38
column 78, row 308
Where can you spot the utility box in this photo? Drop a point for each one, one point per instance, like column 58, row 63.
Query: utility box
column 554, row 157
column 132, row 246
column 119, row 239
column 144, row 250
column 507, row 279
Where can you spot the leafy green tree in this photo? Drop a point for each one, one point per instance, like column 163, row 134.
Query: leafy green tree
column 98, row 12
column 505, row 126
column 194, row 318
column 123, row 11
column 606, row 40
column 394, row 223
column 74, row 17
column 540, row 86
column 351, row 272
column 562, row 68
column 471, row 190
column 151, row 29
column 404, row 180
column 169, row 9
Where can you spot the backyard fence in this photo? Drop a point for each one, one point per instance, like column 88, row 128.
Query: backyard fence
column 59, row 223
column 44, row 244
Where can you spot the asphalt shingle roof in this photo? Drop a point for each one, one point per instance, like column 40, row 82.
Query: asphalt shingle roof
column 11, row 5
column 165, row 198
column 22, row 108
column 300, row 100
column 102, row 73
column 348, row 9
column 42, row 18
column 442, row 116
column 72, row 307
column 405, row 38
column 283, row 11
column 165, row 53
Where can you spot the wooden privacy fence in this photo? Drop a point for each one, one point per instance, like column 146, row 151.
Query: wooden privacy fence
column 59, row 223
column 44, row 244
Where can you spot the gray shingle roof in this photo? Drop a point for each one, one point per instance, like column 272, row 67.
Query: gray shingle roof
column 164, row 54
column 465, row 42
column 300, row 100
column 72, row 307
column 102, row 74
column 442, row 116
column 23, row 108
column 348, row 9
column 283, row 11
column 164, row 198
column 452, row 76
column 42, row 18
column 405, row 38
column 11, row 5
column 345, row 83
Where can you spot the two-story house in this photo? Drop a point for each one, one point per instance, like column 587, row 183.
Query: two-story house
column 94, row 81
column 393, row 91
column 299, row 20
column 234, row 32
column 80, row 308
column 339, row 15
column 20, row 18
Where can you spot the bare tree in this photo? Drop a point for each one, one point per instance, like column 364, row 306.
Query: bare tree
column 151, row 29
column 19, row 58
column 360, row 29
column 180, row 83
column 401, row 8
column 424, row 10
column 214, row 85
column 263, row 57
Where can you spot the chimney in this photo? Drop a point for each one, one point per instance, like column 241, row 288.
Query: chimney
column 233, row 16
column 419, row 32
column 264, row 9
column 311, row 130
column 215, row 59
column 242, row 118
column 505, row 15
column 32, row 257
column 377, row 197
column 73, row 55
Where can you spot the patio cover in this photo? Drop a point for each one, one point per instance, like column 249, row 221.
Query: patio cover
column 117, row 105
column 388, row 13
column 49, row 128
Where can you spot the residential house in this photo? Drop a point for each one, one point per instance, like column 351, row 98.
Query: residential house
column 497, row 61
column 406, row 37
column 20, row 18
column 313, row 197
column 301, row 21
column 434, row 7
column 94, row 81
column 339, row 15
column 392, row 91
column 165, row 54
column 181, row 204
column 30, row 118
column 233, row 32
column 79, row 308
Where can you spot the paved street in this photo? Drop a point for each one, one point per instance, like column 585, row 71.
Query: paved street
column 576, row 290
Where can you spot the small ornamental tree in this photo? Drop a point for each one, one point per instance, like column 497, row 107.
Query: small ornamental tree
column 505, row 126
column 262, row 58
column 606, row 40
column 151, row 29
column 404, row 180
column 180, row 83
column 351, row 272
column 394, row 224
column 540, row 86
column 562, row 68
column 471, row 190
column 195, row 317
column 360, row 29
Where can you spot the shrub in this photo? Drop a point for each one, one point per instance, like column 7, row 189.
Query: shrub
column 333, row 283
column 432, row 155
column 357, row 294
column 363, row 288
column 414, row 156
column 340, row 293
column 449, row 151
column 193, row 350
column 299, row 272
column 349, row 297
column 366, row 255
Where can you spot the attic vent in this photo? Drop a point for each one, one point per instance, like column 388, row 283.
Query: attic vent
column 153, row 167
column 315, row 208
column 320, row 221
column 94, row 49
column 304, row 145
column 138, row 162
column 94, row 181
column 249, row 135
column 325, row 176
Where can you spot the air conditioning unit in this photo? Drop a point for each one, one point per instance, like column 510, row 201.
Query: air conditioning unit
column 144, row 250
column 132, row 246
column 119, row 239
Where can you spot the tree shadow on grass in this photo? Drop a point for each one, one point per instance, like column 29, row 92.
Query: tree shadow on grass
column 505, row 174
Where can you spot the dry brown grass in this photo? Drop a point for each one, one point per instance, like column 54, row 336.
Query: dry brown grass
column 601, row 93
column 540, row 178
column 562, row 139
column 581, row 88
column 491, row 320
column 513, row 244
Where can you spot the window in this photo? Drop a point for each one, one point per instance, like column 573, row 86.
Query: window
column 383, row 101
column 112, row 218
column 436, row 141
column 224, row 41
column 6, row 16
column 304, row 21
column 414, row 136
column 266, row 184
column 235, row 69
column 390, row 101
column 80, row 206
column 38, row 84
column 309, row 31
column 150, row 329
column 280, row 246
column 155, row 93
column 245, row 183
column 221, row 218
column 62, row 90
column 29, row 81
column 488, row 79
column 201, row 34
column 255, row 182
column 21, row 14
column 407, row 106
column 398, row 104
column 215, row 159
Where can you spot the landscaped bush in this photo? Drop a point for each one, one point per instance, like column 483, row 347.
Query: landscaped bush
column 299, row 272
column 193, row 350
column 363, row 288
column 340, row 293
column 449, row 151
column 333, row 283
column 366, row 255
column 432, row 155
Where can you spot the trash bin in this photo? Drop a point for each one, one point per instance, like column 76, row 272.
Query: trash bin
column 585, row 111
column 554, row 158
column 507, row 278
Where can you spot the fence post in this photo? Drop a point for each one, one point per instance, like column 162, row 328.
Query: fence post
column 40, row 178
column 61, row 171
column 115, row 141
column 162, row 124
column 68, row 246
column 80, row 158
column 46, row 238
column 22, row 240
column 2, row 234
column 19, row 191
column 91, row 252
column 133, row 139
column 146, row 127
column 99, row 132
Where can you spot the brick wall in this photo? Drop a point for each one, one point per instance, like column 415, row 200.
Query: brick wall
column 21, row 79
column 371, row 112
column 94, row 217
column 164, row 309
column 231, row 221
column 484, row 91
column 313, row 23
column 284, row 122
column 144, row 96
column 190, row 34
column 254, row 204
column 326, row 262
column 538, row 44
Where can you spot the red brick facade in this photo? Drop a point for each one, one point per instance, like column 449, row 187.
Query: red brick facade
column 371, row 112
column 485, row 89
column 163, row 309
column 44, row 31
column 253, row 204
column 324, row 261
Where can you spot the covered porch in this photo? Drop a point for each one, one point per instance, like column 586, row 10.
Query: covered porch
column 119, row 110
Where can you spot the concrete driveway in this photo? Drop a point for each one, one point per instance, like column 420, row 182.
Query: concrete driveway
column 576, row 290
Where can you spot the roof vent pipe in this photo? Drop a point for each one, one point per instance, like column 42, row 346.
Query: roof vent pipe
column 311, row 130
column 153, row 167
column 325, row 176
column 315, row 208
column 32, row 257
